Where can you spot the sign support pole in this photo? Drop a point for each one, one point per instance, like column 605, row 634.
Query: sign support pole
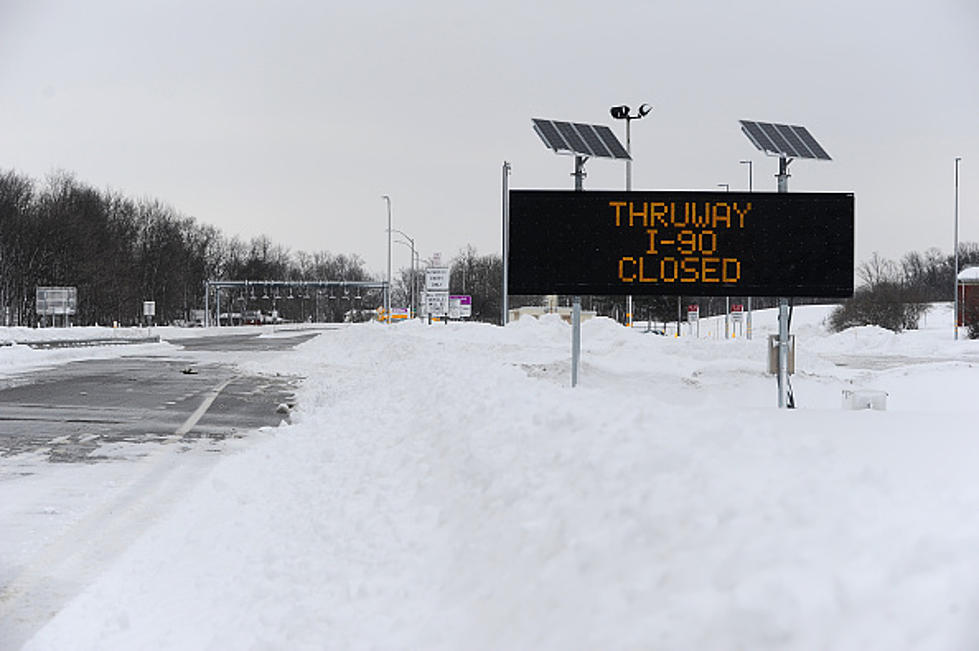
column 579, row 185
column 783, row 310
column 506, row 238
column 628, row 188
column 575, row 339
column 727, row 316
column 579, row 172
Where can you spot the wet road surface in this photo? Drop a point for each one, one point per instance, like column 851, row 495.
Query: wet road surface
column 70, row 411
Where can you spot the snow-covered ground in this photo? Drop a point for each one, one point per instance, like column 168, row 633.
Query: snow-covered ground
column 442, row 487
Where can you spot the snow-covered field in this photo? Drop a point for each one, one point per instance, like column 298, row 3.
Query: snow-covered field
column 442, row 487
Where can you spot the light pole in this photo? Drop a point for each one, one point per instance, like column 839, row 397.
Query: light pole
column 623, row 112
column 751, row 188
column 506, row 238
column 955, row 304
column 727, row 299
column 750, row 182
column 411, row 244
column 387, row 291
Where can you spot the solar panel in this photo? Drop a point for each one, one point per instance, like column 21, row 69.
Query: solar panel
column 549, row 134
column 572, row 138
column 777, row 138
column 613, row 144
column 788, row 141
column 814, row 147
column 591, row 138
column 594, row 140
column 797, row 145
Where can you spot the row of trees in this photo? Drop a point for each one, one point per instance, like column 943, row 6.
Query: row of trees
column 120, row 252
column 895, row 295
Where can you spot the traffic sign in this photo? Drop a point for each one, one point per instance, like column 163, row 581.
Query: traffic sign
column 681, row 243
column 437, row 278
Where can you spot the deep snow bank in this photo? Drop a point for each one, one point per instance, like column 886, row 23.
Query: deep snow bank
column 444, row 488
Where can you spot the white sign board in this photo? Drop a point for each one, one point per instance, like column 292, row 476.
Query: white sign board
column 437, row 279
column 693, row 313
column 437, row 303
column 460, row 307
column 56, row 300
column 149, row 308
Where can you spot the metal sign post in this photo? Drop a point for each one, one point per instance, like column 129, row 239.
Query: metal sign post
column 575, row 339
column 788, row 142
column 583, row 141
column 506, row 237
column 783, row 310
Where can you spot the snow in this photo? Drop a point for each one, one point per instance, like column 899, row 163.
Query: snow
column 969, row 274
column 442, row 487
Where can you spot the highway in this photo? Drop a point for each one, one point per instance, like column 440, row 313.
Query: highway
column 93, row 453
column 72, row 410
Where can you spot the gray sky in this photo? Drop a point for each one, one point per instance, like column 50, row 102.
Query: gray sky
column 293, row 118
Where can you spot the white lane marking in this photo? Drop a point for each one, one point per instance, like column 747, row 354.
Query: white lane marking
column 197, row 415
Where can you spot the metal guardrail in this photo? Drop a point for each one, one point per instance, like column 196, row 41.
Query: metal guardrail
column 81, row 343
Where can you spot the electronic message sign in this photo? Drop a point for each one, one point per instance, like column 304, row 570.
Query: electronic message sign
column 692, row 243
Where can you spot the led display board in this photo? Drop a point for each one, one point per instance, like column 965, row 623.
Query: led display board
column 691, row 243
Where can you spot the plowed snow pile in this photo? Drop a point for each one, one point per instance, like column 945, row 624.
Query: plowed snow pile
column 442, row 487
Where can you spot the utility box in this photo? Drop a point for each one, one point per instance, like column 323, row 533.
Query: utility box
column 773, row 354
column 864, row 399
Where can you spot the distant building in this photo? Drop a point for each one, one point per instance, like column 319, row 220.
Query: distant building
column 967, row 287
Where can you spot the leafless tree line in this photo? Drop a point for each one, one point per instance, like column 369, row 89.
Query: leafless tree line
column 895, row 295
column 120, row 252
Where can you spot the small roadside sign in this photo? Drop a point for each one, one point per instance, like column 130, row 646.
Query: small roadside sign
column 149, row 308
column 693, row 313
column 460, row 307
column 437, row 303
column 437, row 279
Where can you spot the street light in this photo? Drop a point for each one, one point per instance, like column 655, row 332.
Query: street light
column 751, row 188
column 387, row 292
column 750, row 165
column 955, row 305
column 623, row 112
column 727, row 299
column 410, row 243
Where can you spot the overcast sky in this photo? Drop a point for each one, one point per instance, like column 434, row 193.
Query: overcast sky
column 291, row 118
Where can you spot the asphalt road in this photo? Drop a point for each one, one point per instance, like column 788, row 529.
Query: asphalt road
column 71, row 411
column 134, row 410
